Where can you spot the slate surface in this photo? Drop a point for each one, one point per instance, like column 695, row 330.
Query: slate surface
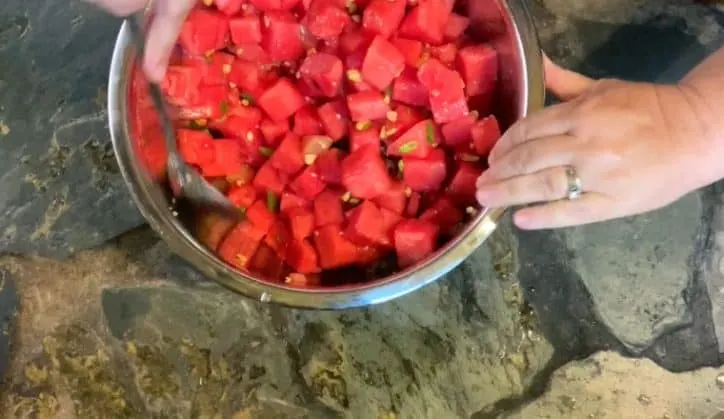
column 60, row 187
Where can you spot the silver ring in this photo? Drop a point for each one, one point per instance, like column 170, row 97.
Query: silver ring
column 574, row 183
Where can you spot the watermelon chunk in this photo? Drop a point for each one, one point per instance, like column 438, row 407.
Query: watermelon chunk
column 426, row 22
column 364, row 226
column 364, row 173
column 417, row 141
column 269, row 179
column 408, row 89
column 444, row 214
column 383, row 16
column 328, row 208
column 426, row 174
column 394, row 199
column 303, row 258
column 290, row 200
column 273, row 131
column 204, row 31
column 282, row 37
column 365, row 137
column 326, row 19
column 213, row 69
column 196, row 147
column 260, row 215
column 478, row 65
column 242, row 196
column 459, row 132
column 245, row 30
column 301, row 222
column 334, row 118
column 288, row 157
column 281, row 100
column 181, row 84
column 306, row 122
column 333, row 247
column 240, row 244
column 308, row 184
column 485, row 134
column 229, row 7
column 455, row 27
column 211, row 228
column 446, row 90
column 328, row 166
column 462, row 186
column 367, row 106
column 382, row 63
column 323, row 72
column 414, row 241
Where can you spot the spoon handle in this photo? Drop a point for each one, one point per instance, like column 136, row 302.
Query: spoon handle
column 155, row 91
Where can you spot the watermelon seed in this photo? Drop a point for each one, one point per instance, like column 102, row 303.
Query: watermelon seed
column 347, row 196
column 354, row 75
column 408, row 191
column 363, row 125
column 392, row 116
column 471, row 211
column 309, row 159
column 226, row 68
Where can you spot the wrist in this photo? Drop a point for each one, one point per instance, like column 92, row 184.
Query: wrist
column 699, row 130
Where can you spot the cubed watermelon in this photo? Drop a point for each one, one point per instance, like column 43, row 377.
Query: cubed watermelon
column 408, row 89
column 462, row 186
column 196, row 147
column 334, row 118
column 288, row 157
column 426, row 22
column 382, row 63
column 281, row 100
column 485, row 133
column 413, row 205
column 328, row 208
column 229, row 7
column 444, row 214
column 272, row 131
column 213, row 69
column 242, row 196
column 290, row 200
column 367, row 106
column 303, row 258
column 458, row 133
column 324, row 72
column 478, row 65
column 245, row 30
column 426, row 174
column 282, row 37
column 204, row 31
column 181, row 84
column 326, row 19
column 333, row 247
column 455, row 27
column 240, row 244
column 328, row 166
column 364, row 173
column 211, row 228
column 308, row 184
column 414, row 241
column 395, row 199
column 268, row 262
column 383, row 16
column 227, row 159
column 260, row 215
column 365, row 227
column 301, row 222
column 446, row 90
column 418, row 141
column 238, row 122
column 361, row 138
column 306, row 122
column 279, row 238
column 270, row 179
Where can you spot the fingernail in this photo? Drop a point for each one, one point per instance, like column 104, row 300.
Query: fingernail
column 522, row 220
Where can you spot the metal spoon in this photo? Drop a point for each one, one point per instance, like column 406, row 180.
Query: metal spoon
column 185, row 182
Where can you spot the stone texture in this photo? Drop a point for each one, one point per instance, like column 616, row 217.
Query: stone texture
column 608, row 385
column 61, row 189
column 104, row 334
column 637, row 271
column 8, row 307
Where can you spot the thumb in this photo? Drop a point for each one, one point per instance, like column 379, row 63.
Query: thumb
column 565, row 84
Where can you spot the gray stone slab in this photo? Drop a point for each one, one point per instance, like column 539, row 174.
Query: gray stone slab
column 638, row 271
column 8, row 313
column 60, row 187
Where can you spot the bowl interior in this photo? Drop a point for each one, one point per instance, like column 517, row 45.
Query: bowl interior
column 506, row 26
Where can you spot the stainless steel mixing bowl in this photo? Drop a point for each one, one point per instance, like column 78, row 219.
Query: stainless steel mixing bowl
column 504, row 23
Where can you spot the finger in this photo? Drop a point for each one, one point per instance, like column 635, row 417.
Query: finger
column 120, row 8
column 553, row 120
column 530, row 157
column 589, row 208
column 162, row 35
column 543, row 186
column 565, row 84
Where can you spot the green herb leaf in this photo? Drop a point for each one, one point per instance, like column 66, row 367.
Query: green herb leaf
column 224, row 107
column 430, row 133
column 266, row 151
column 272, row 201
column 408, row 147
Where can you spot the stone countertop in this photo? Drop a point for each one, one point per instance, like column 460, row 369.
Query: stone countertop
column 102, row 321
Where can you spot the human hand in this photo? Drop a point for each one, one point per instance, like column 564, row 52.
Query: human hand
column 168, row 18
column 636, row 147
